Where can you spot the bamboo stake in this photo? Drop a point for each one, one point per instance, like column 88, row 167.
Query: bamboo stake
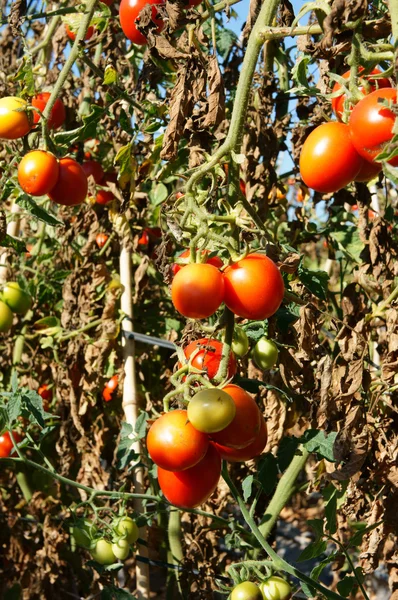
column 12, row 230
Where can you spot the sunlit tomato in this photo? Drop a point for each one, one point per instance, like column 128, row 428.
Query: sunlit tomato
column 15, row 297
column 149, row 234
column 129, row 15
column 275, row 588
column 6, row 445
column 71, row 187
column 211, row 410
column 127, row 528
column 249, row 452
column 121, row 549
column 240, row 342
column 38, row 172
column 101, row 239
column 57, row 115
column 368, row 171
column 110, row 387
column 104, row 197
column 328, row 159
column 103, row 553
column 15, row 122
column 265, row 353
column 192, row 487
column 246, row 424
column 371, row 124
column 6, row 317
column 72, row 36
column 93, row 168
column 207, row 357
column 246, row 591
column 45, row 392
column 213, row 260
column 197, row 290
column 367, row 84
column 253, row 287
column 174, row 444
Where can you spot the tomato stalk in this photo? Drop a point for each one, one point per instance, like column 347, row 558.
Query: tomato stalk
column 174, row 535
column 229, row 319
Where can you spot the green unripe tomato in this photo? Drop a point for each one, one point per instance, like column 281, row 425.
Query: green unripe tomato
column 121, row 549
column 103, row 553
column 17, row 299
column 83, row 532
column 246, row 591
column 240, row 342
column 211, row 410
column 6, row 317
column 127, row 528
column 265, row 353
column 275, row 588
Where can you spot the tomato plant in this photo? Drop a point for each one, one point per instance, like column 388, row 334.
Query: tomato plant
column 71, row 187
column 275, row 588
column 6, row 444
column 367, row 84
column 253, row 287
column 247, row 590
column 265, row 353
column 15, row 297
column 174, row 444
column 206, row 356
column 38, row 172
column 371, row 124
column 197, row 290
column 58, row 113
column 192, row 487
column 15, row 121
column 129, row 15
column 211, row 410
column 322, row 167
column 245, row 426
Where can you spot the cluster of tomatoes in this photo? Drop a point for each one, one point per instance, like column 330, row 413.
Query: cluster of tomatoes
column 13, row 299
column 336, row 153
column 273, row 588
column 123, row 534
column 251, row 288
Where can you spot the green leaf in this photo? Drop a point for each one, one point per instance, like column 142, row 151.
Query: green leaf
column 317, row 526
column 267, row 472
column 247, row 486
column 14, row 406
column 300, row 78
column 286, row 451
column 391, row 173
column 28, row 204
column 332, row 497
column 33, row 404
column 255, row 330
column 313, row 550
column 158, row 194
column 315, row 281
column 319, row 442
column 140, row 425
column 309, row 591
column 110, row 75
column 14, row 243
column 346, row 585
column 357, row 538
column 316, row 571
column 125, row 452
column 349, row 243
column 285, row 318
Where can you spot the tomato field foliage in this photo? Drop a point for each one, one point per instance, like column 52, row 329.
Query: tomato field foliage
column 198, row 300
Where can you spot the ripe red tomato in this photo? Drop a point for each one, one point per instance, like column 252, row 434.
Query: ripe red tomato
column 71, row 187
column 248, row 452
column 368, row 171
column 93, row 168
column 149, row 234
column 72, row 36
column 192, row 487
column 38, row 172
column 45, row 392
column 6, row 445
column 208, row 357
column 197, row 290
column 253, row 287
column 174, row 444
column 245, row 426
column 104, row 197
column 57, row 115
column 213, row 260
column 101, row 239
column 110, row 387
column 371, row 124
column 129, row 15
column 15, row 122
column 367, row 84
column 242, row 186
column 328, row 160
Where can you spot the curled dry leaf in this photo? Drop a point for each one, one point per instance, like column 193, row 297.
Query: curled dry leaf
column 216, row 98
column 351, row 445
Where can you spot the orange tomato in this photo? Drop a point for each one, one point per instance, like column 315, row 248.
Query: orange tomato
column 15, row 121
column 38, row 172
column 71, row 187
column 57, row 115
column 197, row 290
column 245, row 427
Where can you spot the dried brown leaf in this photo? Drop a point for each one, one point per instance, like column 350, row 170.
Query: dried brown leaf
column 216, row 98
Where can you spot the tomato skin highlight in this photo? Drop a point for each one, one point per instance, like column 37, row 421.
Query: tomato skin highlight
column 38, row 172
column 371, row 124
column 101, row 240
column 71, row 187
column 192, row 487
column 328, row 159
column 14, row 120
column 6, row 445
column 249, row 452
column 245, row 426
column 174, row 444
column 129, row 13
column 197, row 290
column 208, row 357
column 369, row 85
column 58, row 114
column 254, row 287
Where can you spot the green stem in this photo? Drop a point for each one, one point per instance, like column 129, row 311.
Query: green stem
column 49, row 35
column 393, row 9
column 229, row 319
column 384, row 305
column 216, row 8
column 174, row 534
column 87, row 327
column 283, row 492
column 24, row 485
column 348, row 557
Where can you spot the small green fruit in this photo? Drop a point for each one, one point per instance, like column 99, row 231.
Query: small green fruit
column 265, row 353
column 16, row 298
column 121, row 549
column 6, row 317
